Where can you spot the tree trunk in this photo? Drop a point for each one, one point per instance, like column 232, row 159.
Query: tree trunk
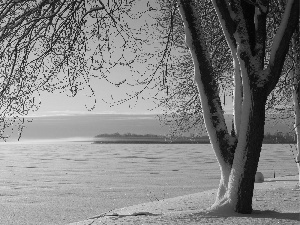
column 238, row 157
column 297, row 126
column 240, row 180
column 296, row 96
column 246, row 159
column 296, row 93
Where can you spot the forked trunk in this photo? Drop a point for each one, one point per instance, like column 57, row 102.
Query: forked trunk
column 240, row 180
column 246, row 160
column 244, row 27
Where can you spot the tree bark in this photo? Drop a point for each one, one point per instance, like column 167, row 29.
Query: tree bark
column 296, row 96
column 245, row 165
column 296, row 93
column 238, row 157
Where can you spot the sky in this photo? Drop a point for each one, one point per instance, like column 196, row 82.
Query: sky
column 60, row 116
column 105, row 90
column 85, row 127
column 63, row 117
column 60, row 103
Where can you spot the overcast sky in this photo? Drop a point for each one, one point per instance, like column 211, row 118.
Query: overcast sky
column 56, row 115
column 106, row 92
column 83, row 127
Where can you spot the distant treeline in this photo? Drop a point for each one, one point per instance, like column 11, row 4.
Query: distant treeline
column 276, row 138
column 129, row 135
column 129, row 138
column 279, row 138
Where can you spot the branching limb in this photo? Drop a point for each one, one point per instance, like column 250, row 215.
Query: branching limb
column 281, row 42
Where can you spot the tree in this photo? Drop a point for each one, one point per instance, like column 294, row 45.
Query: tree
column 63, row 46
column 47, row 45
column 182, row 102
column 37, row 41
column 295, row 74
column 255, row 76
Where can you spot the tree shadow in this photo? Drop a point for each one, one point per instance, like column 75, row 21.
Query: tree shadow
column 263, row 214
column 267, row 181
column 275, row 215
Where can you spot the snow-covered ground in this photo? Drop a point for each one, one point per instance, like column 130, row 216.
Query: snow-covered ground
column 275, row 202
column 60, row 183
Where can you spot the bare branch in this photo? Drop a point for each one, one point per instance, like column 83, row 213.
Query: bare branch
column 281, row 41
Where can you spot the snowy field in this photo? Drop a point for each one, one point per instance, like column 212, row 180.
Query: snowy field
column 60, row 183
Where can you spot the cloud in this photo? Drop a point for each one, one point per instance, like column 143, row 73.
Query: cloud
column 82, row 113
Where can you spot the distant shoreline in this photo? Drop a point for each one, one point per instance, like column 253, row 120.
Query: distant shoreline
column 145, row 142
column 149, row 140
column 129, row 138
column 137, row 140
column 174, row 142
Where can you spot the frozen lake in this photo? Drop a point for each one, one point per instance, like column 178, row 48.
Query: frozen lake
column 59, row 183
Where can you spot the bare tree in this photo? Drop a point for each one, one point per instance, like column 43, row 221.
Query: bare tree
column 38, row 40
column 63, row 45
column 49, row 45
column 295, row 75
column 183, row 99
column 256, row 75
column 182, row 102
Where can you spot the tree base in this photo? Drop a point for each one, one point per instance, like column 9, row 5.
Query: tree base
column 226, row 206
column 221, row 207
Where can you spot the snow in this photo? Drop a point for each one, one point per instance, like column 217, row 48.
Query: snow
column 224, row 167
column 240, row 154
column 190, row 209
column 228, row 188
column 280, row 32
column 238, row 98
column 297, row 117
column 204, row 101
